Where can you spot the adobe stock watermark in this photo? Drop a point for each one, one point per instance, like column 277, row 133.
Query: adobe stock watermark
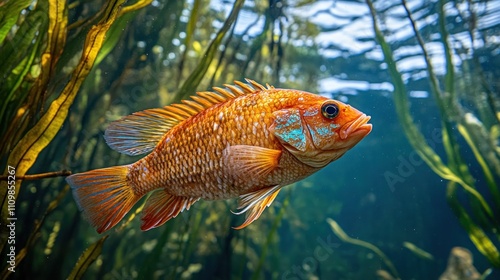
column 322, row 252
column 407, row 164
column 11, row 218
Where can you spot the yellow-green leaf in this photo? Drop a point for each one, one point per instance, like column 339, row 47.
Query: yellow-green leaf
column 195, row 78
column 87, row 258
column 27, row 150
column 482, row 242
column 417, row 251
column 9, row 15
column 340, row 233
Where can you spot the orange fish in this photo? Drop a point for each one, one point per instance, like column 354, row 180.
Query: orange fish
column 245, row 141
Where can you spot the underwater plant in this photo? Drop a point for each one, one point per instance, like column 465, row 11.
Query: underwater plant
column 477, row 124
column 156, row 52
column 72, row 66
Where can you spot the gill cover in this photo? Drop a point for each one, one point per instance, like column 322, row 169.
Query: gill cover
column 307, row 134
column 289, row 129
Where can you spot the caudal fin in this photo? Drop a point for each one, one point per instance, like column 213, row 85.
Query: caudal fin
column 103, row 195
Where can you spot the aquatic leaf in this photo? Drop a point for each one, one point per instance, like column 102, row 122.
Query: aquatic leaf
column 23, row 50
column 194, row 232
column 9, row 14
column 113, row 36
column 455, row 161
column 87, row 258
column 270, row 236
column 115, row 31
column 27, row 150
column 482, row 242
column 414, row 136
column 457, row 170
column 488, row 174
column 450, row 69
column 417, row 251
column 339, row 232
column 16, row 78
column 447, row 104
column 16, row 59
column 190, row 29
column 56, row 40
column 192, row 82
column 486, row 273
column 134, row 7
column 148, row 266
column 35, row 233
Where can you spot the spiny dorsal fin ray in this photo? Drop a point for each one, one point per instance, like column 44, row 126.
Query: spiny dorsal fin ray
column 194, row 105
column 202, row 101
column 187, row 109
column 211, row 96
column 233, row 92
column 245, row 87
column 205, row 99
column 140, row 132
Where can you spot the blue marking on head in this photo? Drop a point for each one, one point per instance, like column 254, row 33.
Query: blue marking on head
column 311, row 112
column 320, row 134
column 294, row 137
column 289, row 129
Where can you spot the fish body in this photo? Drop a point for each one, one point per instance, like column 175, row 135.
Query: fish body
column 245, row 141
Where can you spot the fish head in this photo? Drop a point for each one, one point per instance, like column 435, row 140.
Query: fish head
column 318, row 130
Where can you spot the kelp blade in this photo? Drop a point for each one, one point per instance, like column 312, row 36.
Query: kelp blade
column 27, row 150
column 482, row 242
column 340, row 233
column 87, row 258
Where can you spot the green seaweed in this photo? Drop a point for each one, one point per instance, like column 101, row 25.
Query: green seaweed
column 9, row 15
column 340, row 233
column 137, row 67
column 271, row 234
column 192, row 82
column 456, row 169
column 26, row 151
column 35, row 233
column 87, row 258
column 417, row 251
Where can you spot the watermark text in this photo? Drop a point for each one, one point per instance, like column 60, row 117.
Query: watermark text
column 11, row 218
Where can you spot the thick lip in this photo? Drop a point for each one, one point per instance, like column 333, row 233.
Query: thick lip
column 359, row 124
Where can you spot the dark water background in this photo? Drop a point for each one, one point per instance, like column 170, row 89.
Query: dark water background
column 148, row 66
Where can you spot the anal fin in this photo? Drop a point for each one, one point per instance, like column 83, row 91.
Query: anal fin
column 255, row 203
column 162, row 206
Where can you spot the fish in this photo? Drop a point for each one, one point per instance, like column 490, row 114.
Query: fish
column 244, row 141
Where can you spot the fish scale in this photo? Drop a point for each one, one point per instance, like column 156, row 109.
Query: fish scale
column 247, row 141
column 205, row 183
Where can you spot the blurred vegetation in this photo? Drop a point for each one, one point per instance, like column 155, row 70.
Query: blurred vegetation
column 460, row 96
column 122, row 58
column 107, row 59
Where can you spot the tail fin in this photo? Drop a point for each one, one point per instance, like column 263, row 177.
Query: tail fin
column 103, row 195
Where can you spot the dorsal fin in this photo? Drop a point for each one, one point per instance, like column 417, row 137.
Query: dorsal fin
column 140, row 132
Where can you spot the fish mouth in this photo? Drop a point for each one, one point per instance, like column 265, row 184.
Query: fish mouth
column 358, row 126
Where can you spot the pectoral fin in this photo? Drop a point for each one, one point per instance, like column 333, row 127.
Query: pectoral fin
column 250, row 161
column 256, row 202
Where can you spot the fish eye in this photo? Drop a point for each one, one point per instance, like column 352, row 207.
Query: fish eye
column 330, row 110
